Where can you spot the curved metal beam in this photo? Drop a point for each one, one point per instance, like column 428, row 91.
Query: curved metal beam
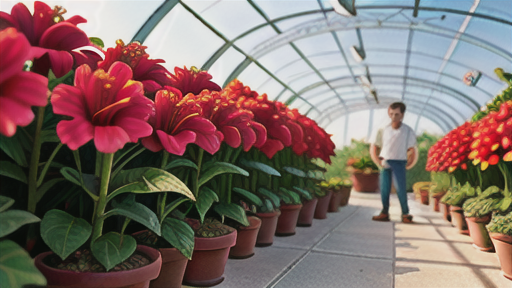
column 153, row 20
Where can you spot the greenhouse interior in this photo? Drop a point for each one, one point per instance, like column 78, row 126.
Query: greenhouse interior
column 322, row 143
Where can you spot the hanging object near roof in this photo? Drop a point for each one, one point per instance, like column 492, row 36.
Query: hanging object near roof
column 344, row 7
column 472, row 77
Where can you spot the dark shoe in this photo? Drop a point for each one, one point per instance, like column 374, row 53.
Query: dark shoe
column 381, row 217
column 407, row 219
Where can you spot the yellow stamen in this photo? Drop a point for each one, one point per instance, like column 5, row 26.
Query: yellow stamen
column 484, row 166
column 183, row 120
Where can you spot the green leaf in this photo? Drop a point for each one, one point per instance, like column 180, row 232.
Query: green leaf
column 97, row 41
column 5, row 203
column 137, row 212
column 260, row 166
column 181, row 163
column 268, row 205
column 13, row 147
column 294, row 171
column 148, row 180
column 46, row 186
column 113, row 248
column 220, row 168
column 232, row 211
column 64, row 233
column 90, row 181
column 13, row 171
column 273, row 197
column 180, row 235
column 249, row 196
column 505, row 204
column 490, row 191
column 205, row 200
column 293, row 197
column 305, row 193
column 49, row 136
column 173, row 205
column 11, row 220
column 17, row 269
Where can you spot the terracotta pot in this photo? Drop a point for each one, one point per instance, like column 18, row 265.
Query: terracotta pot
column 136, row 278
column 246, row 239
column 503, row 245
column 322, row 205
column 334, row 203
column 345, row 195
column 365, row 182
column 209, row 259
column 424, row 197
column 458, row 219
column 445, row 209
column 307, row 212
column 173, row 269
column 436, row 201
column 268, row 228
column 479, row 234
column 288, row 219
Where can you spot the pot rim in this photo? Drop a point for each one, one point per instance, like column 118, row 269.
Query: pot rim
column 215, row 243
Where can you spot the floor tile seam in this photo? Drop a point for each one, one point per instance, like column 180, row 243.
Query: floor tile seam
column 348, row 254
column 437, row 262
column 290, row 267
column 394, row 253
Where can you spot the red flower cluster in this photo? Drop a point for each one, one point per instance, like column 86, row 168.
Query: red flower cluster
column 451, row 151
column 492, row 137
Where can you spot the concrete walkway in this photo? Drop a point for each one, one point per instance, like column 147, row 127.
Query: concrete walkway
column 348, row 249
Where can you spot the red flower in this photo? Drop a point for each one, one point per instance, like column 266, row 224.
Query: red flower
column 192, row 81
column 106, row 106
column 19, row 90
column 177, row 122
column 451, row 152
column 148, row 71
column 55, row 37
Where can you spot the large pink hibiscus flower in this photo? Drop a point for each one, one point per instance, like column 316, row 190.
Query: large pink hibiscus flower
column 19, row 90
column 108, row 107
column 54, row 37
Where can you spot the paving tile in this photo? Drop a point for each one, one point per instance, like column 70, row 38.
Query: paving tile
column 325, row 271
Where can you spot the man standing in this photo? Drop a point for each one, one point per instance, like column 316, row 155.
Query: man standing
column 394, row 141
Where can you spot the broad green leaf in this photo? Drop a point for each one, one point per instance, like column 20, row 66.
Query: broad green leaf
column 205, row 200
column 11, row 220
column 181, row 163
column 294, row 197
column 180, row 235
column 148, row 180
column 285, row 197
column 137, row 212
column 232, row 211
column 249, row 196
column 260, row 166
column 273, row 197
column 220, row 168
column 490, row 191
column 17, row 269
column 5, row 203
column 113, row 248
column 13, row 171
column 91, row 183
column 294, row 171
column 505, row 204
column 97, row 41
column 305, row 193
column 13, row 147
column 64, row 233
column 173, row 205
column 49, row 136
column 268, row 205
column 46, row 186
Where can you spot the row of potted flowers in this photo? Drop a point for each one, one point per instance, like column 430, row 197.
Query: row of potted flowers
column 153, row 158
column 472, row 175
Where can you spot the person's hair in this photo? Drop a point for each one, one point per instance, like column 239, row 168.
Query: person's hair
column 398, row 105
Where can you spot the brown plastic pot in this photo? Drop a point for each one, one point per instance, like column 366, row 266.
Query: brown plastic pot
column 287, row 221
column 345, row 195
column 458, row 219
column 503, row 245
column 334, row 203
column 307, row 212
column 424, row 197
column 268, row 228
column 445, row 209
column 209, row 259
column 365, row 182
column 246, row 239
column 479, row 234
column 173, row 269
column 322, row 205
column 136, row 278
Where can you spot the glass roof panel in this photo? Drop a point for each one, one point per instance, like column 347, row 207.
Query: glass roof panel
column 329, row 59
column 335, row 72
column 310, row 45
column 499, row 35
column 427, row 62
column 249, row 41
column 276, row 9
column 291, row 22
column 500, row 9
column 462, row 5
column 275, row 59
column 271, row 87
column 431, row 43
column 384, row 39
column 253, row 76
column 223, row 67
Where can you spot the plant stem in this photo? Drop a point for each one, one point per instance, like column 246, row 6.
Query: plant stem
column 505, row 172
column 34, row 162
column 163, row 198
column 97, row 222
column 195, row 181
column 47, row 165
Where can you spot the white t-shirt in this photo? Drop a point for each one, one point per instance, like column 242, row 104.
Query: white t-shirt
column 394, row 142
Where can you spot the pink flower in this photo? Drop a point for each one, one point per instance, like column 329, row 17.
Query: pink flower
column 177, row 122
column 19, row 90
column 106, row 106
column 192, row 81
column 54, row 37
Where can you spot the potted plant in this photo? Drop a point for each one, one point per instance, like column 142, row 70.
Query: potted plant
column 440, row 183
column 346, row 188
column 455, row 197
column 335, row 185
column 324, row 198
column 501, row 236
column 365, row 174
column 421, row 190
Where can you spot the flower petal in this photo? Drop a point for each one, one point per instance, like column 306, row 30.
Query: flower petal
column 14, row 51
column 210, row 143
column 13, row 114
column 61, row 62
column 68, row 100
column 109, row 139
column 28, row 88
column 135, row 127
column 152, row 143
column 271, row 147
column 176, row 144
column 75, row 133
column 231, row 136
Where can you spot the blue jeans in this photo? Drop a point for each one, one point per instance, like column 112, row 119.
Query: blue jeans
column 396, row 167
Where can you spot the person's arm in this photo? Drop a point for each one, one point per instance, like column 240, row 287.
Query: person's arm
column 412, row 157
column 374, row 155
